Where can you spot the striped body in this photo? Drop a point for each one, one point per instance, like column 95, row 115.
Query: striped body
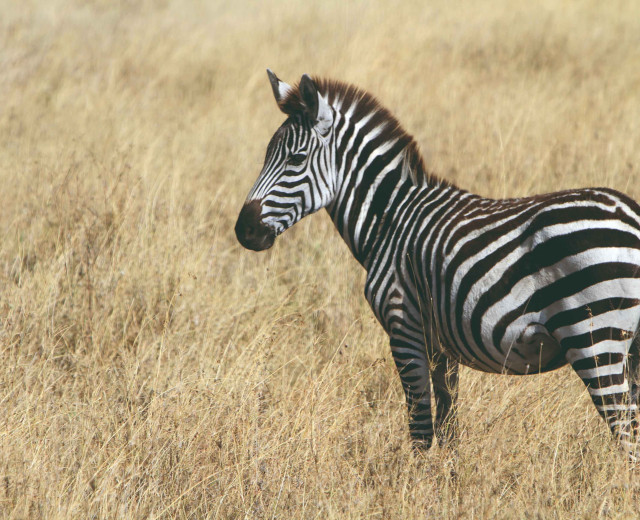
column 517, row 286
column 508, row 280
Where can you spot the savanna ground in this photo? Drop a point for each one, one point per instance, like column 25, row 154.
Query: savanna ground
column 152, row 368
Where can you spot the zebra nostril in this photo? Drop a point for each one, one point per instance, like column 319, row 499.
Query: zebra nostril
column 251, row 232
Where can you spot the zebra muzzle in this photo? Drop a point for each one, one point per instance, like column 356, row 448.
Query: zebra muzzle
column 251, row 232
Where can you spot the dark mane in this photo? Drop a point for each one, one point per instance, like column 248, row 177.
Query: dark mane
column 342, row 97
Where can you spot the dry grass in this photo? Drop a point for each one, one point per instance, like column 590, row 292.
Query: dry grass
column 151, row 368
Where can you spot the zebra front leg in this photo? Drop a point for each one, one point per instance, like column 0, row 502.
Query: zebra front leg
column 411, row 362
column 444, row 373
column 602, row 366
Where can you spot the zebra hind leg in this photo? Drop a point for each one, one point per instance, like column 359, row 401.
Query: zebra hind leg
column 633, row 376
column 633, row 366
column 604, row 369
column 444, row 374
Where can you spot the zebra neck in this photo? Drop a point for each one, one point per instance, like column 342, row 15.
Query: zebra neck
column 369, row 195
column 377, row 166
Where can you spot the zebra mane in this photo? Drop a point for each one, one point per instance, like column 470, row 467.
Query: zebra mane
column 358, row 103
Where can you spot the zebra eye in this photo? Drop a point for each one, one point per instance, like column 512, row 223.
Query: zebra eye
column 297, row 159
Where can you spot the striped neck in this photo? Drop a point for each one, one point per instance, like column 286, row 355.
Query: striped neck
column 377, row 165
column 366, row 193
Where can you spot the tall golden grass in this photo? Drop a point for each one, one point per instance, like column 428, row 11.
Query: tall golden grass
column 152, row 368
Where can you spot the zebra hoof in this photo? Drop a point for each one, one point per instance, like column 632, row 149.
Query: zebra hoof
column 631, row 448
column 448, row 441
column 421, row 443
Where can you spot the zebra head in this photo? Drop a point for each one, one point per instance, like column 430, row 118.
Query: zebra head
column 295, row 180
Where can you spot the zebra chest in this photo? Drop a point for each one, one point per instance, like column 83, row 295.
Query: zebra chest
column 384, row 296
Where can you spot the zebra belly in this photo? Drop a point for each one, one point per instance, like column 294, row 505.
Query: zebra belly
column 535, row 342
column 531, row 350
column 527, row 348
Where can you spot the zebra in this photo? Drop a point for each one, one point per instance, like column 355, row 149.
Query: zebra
column 510, row 286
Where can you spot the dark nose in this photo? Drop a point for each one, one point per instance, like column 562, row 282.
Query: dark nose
column 251, row 232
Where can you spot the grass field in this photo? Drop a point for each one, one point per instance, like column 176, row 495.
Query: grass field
column 152, row 368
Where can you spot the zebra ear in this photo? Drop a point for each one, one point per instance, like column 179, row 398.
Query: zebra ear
column 280, row 88
column 316, row 107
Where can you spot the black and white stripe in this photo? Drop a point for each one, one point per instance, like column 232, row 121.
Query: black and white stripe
column 517, row 286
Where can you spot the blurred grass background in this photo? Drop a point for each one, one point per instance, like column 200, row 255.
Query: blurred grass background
column 152, row 368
